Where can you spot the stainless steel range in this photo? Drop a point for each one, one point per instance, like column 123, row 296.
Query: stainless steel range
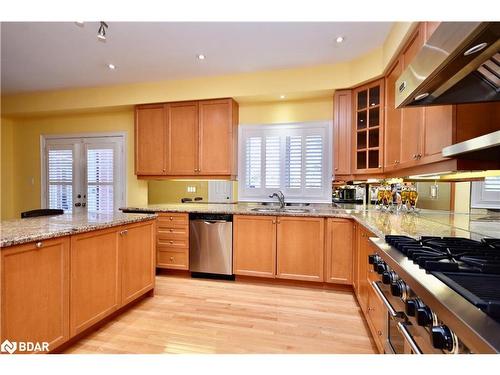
column 442, row 294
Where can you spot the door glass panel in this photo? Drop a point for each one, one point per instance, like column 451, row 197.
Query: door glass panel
column 60, row 177
column 100, row 177
column 374, row 96
column 373, row 138
column 361, row 160
column 374, row 117
column 362, row 120
column 373, row 159
column 361, row 142
column 362, row 99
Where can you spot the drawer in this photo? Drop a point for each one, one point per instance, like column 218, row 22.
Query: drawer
column 180, row 233
column 171, row 220
column 173, row 243
column 173, row 259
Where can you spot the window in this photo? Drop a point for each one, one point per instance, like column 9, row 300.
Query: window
column 83, row 174
column 294, row 158
column 486, row 194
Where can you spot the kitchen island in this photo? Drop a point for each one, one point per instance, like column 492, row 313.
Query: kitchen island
column 62, row 275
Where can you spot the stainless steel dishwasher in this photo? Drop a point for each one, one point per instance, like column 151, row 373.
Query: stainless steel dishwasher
column 211, row 245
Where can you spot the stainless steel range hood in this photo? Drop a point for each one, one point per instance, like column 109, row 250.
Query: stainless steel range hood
column 472, row 147
column 460, row 63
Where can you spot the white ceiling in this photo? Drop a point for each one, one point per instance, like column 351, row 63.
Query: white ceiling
column 54, row 55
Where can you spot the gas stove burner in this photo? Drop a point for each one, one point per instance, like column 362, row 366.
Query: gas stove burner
column 471, row 268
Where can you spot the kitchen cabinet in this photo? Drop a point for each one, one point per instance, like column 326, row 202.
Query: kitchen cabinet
column 254, row 250
column 368, row 127
column 362, row 282
column 182, row 120
column 339, row 251
column 172, row 241
column 393, row 119
column 150, row 140
column 300, row 248
column 282, row 247
column 218, row 137
column 187, row 139
column 95, row 278
column 376, row 317
column 342, row 125
column 137, row 247
column 35, row 292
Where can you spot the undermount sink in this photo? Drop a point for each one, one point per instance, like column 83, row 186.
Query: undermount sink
column 277, row 210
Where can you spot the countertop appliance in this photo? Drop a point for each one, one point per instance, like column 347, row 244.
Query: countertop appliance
column 442, row 294
column 460, row 63
column 211, row 245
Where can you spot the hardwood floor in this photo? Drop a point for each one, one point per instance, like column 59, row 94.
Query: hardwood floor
column 206, row 316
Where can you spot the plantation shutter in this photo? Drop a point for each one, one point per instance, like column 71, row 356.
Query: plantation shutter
column 100, row 178
column 60, row 177
column 486, row 194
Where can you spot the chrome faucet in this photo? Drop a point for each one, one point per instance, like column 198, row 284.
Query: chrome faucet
column 281, row 198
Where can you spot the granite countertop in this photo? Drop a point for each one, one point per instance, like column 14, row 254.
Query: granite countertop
column 19, row 231
column 423, row 223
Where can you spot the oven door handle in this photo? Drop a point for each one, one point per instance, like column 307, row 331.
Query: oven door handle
column 393, row 313
column 408, row 338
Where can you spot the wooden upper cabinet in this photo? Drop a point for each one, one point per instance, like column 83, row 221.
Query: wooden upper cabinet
column 393, row 118
column 300, row 248
column 137, row 259
column 196, row 139
column 182, row 120
column 368, row 129
column 95, row 285
column 254, row 246
column 35, row 292
column 217, row 134
column 339, row 251
column 412, row 119
column 150, row 140
column 342, row 119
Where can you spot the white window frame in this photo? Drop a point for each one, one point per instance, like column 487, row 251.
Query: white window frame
column 245, row 131
column 479, row 198
column 63, row 138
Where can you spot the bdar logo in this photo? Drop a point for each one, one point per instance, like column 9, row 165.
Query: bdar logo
column 9, row 347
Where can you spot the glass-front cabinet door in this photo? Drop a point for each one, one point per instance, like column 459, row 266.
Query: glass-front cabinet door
column 368, row 126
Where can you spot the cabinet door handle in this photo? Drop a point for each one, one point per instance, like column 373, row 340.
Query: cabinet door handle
column 123, row 232
column 274, row 221
column 171, row 218
column 39, row 245
column 171, row 259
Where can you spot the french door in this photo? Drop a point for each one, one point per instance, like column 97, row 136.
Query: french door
column 83, row 173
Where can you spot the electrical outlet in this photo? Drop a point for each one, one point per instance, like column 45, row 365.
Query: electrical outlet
column 191, row 189
column 433, row 191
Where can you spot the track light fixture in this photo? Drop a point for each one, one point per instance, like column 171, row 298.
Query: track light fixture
column 101, row 33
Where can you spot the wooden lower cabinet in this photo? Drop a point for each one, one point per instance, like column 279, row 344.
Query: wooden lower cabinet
column 35, row 292
column 254, row 249
column 339, row 251
column 300, row 248
column 362, row 267
column 376, row 315
column 137, row 260
column 172, row 241
column 95, row 283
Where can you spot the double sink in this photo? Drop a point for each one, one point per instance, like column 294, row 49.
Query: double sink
column 292, row 208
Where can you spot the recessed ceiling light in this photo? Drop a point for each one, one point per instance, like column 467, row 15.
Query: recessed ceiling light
column 101, row 33
column 282, row 96
column 112, row 66
column 339, row 39
column 80, row 23
column 200, row 57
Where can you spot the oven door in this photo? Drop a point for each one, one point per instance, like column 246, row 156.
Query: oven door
column 398, row 337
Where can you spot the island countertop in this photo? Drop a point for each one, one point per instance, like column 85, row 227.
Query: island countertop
column 381, row 223
column 19, row 231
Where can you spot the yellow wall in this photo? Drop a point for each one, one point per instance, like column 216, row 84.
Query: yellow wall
column 25, row 168
column 7, row 166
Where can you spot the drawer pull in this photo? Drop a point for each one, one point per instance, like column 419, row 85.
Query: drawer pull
column 170, row 230
column 39, row 245
column 171, row 259
column 171, row 242
column 123, row 232
column 171, row 218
